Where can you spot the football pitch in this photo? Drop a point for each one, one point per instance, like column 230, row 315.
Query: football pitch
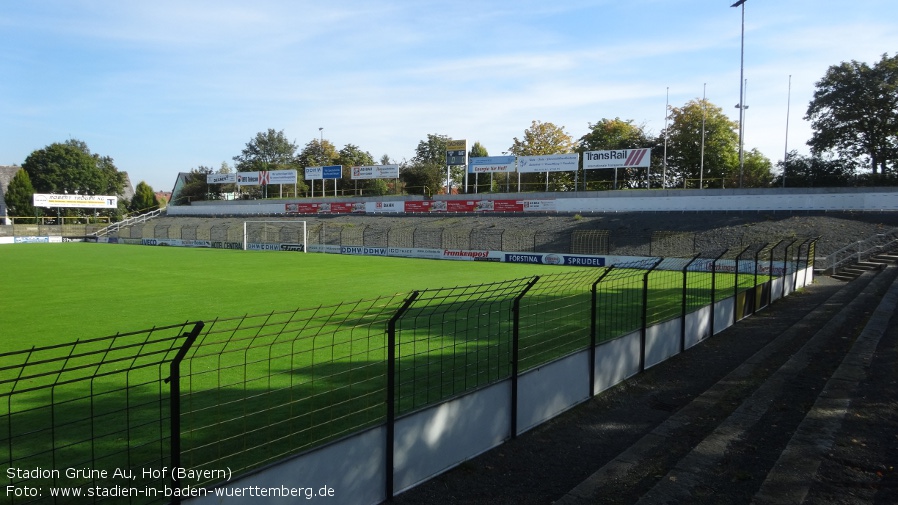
column 250, row 396
column 57, row 293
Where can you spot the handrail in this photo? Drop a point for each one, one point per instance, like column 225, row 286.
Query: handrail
column 862, row 249
column 129, row 221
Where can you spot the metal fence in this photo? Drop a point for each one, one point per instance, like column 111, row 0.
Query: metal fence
column 226, row 396
column 458, row 235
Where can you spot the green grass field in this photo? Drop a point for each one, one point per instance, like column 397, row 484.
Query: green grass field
column 264, row 391
column 56, row 293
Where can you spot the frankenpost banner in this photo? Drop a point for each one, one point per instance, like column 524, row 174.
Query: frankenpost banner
column 619, row 158
column 376, row 172
column 75, row 201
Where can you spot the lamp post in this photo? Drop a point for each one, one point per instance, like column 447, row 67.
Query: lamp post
column 740, row 105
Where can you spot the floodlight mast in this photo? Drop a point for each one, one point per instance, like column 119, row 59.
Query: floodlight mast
column 741, row 105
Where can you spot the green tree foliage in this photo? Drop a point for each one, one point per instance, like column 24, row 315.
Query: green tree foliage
column 352, row 156
column 195, row 187
column 482, row 181
column 756, row 171
column 612, row 134
column 684, row 146
column 815, row 171
column 426, row 172
column 854, row 113
column 316, row 153
column 266, row 151
column 144, row 199
column 543, row 139
column 71, row 167
column 20, row 195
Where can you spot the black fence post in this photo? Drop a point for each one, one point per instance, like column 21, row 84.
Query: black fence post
column 798, row 262
column 391, row 391
column 593, row 331
column 714, row 286
column 515, row 348
column 754, row 294
column 786, row 267
column 683, row 312
column 770, row 273
column 175, row 400
column 645, row 313
column 737, row 315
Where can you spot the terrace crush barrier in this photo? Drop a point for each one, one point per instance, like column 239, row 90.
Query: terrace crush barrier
column 365, row 398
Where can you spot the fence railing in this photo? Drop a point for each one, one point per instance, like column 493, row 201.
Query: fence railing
column 227, row 396
column 861, row 250
column 130, row 221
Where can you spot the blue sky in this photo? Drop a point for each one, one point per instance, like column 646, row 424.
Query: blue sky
column 166, row 86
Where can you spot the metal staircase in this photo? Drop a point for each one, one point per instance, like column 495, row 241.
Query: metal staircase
column 873, row 253
column 130, row 221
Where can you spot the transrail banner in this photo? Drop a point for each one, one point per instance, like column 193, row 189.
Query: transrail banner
column 620, row 158
column 75, row 201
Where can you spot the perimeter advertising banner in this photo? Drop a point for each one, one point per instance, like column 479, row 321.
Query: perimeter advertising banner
column 221, row 178
column 491, row 165
column 325, row 208
column 325, row 172
column 549, row 163
column 282, row 177
column 248, row 179
column 620, row 158
column 376, row 172
column 75, row 201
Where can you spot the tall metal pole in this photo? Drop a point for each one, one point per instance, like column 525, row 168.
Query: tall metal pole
column 701, row 170
column 741, row 95
column 786, row 153
column 666, row 116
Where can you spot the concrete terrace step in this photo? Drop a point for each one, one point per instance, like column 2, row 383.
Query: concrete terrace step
column 751, row 444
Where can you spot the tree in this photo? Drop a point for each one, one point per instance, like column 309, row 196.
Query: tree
column 195, row 187
column 684, row 145
column 814, row 171
column 144, row 199
column 613, row 134
column 426, row 172
column 20, row 195
column 352, row 156
column 543, row 139
column 756, row 171
column 316, row 153
column 854, row 113
column 71, row 167
column 478, row 151
column 266, row 151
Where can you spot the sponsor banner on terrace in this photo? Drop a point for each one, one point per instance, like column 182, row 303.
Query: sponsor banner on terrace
column 325, row 172
column 376, row 172
column 619, row 158
column 221, row 178
column 491, row 164
column 379, row 207
column 324, row 208
column 548, row 163
column 75, row 201
column 426, row 206
column 248, row 179
column 282, row 177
